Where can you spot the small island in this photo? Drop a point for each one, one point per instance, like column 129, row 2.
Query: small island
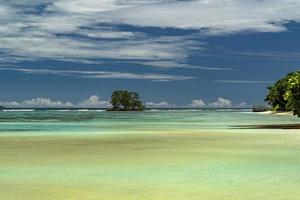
column 123, row 100
column 284, row 95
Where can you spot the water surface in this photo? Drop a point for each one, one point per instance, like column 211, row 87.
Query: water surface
column 152, row 155
column 103, row 122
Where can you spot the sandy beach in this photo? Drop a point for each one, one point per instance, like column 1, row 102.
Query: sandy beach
column 188, row 165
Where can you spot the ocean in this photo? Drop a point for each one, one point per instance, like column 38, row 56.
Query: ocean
column 93, row 121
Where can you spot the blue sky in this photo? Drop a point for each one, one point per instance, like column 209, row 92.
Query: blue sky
column 197, row 53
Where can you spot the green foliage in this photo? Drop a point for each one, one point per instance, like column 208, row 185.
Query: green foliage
column 123, row 100
column 292, row 95
column 276, row 93
column 284, row 95
column 115, row 100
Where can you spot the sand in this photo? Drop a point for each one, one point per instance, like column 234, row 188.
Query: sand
column 161, row 166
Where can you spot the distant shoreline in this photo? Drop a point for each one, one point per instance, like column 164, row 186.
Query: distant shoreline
column 106, row 109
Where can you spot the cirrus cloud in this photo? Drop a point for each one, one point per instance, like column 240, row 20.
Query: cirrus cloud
column 216, row 17
column 101, row 74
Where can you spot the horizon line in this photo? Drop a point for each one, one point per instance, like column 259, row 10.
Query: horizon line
column 93, row 108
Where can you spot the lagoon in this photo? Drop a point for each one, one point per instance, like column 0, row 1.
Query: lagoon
column 155, row 155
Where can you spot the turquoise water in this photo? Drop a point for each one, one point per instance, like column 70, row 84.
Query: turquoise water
column 100, row 121
column 152, row 155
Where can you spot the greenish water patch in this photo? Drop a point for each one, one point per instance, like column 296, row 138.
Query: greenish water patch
column 94, row 121
column 152, row 155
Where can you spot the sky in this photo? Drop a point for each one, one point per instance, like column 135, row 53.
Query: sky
column 174, row 53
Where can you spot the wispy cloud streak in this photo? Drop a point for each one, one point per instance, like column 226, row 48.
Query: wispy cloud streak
column 49, row 30
column 102, row 74
column 243, row 81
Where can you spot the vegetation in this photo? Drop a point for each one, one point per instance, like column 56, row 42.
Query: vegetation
column 123, row 100
column 284, row 95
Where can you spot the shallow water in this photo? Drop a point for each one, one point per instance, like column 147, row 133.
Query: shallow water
column 153, row 155
column 111, row 122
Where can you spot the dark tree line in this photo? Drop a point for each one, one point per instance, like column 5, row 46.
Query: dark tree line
column 284, row 95
column 123, row 100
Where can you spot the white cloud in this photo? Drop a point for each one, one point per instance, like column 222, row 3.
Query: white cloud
column 217, row 16
column 152, row 77
column 37, row 103
column 25, row 33
column 110, row 34
column 221, row 103
column 163, row 104
column 94, row 102
column 9, row 104
column 242, row 81
column 175, row 64
column 4, row 11
column 50, row 35
column 197, row 103
column 101, row 74
column 83, row 7
column 51, row 47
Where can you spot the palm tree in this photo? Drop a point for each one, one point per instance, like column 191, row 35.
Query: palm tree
column 276, row 93
column 284, row 95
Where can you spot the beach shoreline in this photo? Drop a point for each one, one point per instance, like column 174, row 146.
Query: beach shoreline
column 290, row 113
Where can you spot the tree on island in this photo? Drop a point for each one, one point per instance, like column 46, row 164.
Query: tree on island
column 284, row 95
column 123, row 100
